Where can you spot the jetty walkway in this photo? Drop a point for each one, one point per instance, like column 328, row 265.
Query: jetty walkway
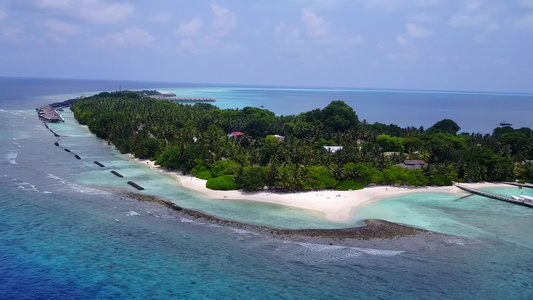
column 49, row 114
column 182, row 99
column 521, row 185
column 523, row 202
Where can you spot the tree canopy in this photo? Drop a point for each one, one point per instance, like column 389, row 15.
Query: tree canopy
column 287, row 152
column 446, row 126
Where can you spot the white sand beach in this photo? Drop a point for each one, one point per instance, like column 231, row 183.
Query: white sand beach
column 336, row 206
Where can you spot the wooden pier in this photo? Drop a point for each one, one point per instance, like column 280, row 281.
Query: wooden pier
column 182, row 99
column 49, row 114
column 523, row 202
column 521, row 185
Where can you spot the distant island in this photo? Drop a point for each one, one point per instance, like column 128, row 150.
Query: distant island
column 330, row 148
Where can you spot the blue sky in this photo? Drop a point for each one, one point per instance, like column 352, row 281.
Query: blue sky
column 472, row 45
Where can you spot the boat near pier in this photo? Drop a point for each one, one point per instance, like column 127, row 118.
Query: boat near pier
column 520, row 200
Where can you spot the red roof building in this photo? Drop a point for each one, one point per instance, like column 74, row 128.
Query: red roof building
column 237, row 133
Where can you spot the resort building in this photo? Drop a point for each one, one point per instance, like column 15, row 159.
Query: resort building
column 413, row 164
column 333, row 149
column 236, row 134
column 279, row 137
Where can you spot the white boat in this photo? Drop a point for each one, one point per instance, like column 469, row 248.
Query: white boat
column 503, row 123
column 523, row 197
column 526, row 197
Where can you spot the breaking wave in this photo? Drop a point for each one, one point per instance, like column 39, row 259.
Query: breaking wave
column 72, row 187
column 10, row 156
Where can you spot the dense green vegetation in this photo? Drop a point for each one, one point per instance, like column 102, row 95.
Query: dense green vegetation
column 195, row 139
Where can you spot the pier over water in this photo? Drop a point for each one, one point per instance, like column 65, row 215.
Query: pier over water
column 182, row 99
column 523, row 202
column 49, row 114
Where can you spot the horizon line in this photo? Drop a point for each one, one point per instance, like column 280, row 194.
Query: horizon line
column 289, row 87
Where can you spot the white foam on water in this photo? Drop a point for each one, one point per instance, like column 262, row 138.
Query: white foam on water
column 379, row 252
column 26, row 186
column 242, row 231
column 132, row 213
column 47, row 192
column 53, row 176
column 185, row 220
column 316, row 253
column 356, row 250
column 12, row 112
column 77, row 188
column 10, row 156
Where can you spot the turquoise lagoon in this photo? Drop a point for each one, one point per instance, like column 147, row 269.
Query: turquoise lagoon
column 65, row 233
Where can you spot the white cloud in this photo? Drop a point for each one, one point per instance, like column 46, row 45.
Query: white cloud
column 427, row 2
column 407, row 56
column 416, row 31
column 188, row 45
column 386, row 4
column 162, row 17
column 473, row 4
column 9, row 33
column 60, row 27
column 357, row 40
column 131, row 37
column 502, row 61
column 423, row 18
column 57, row 30
column 396, row 4
column 525, row 22
column 3, row 14
column 321, row 4
column 93, row 11
column 464, row 19
column 476, row 14
column 401, row 40
column 527, row 3
column 294, row 36
column 281, row 27
column 54, row 4
column 315, row 26
column 224, row 21
column 190, row 28
column 291, row 34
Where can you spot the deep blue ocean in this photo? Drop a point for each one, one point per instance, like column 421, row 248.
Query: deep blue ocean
column 66, row 234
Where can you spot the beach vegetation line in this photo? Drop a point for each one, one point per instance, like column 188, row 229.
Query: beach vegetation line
column 329, row 148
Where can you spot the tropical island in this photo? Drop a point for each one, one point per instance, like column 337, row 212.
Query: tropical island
column 330, row 148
